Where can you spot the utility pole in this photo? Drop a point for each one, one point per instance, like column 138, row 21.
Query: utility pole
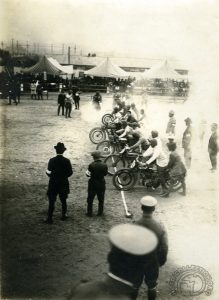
column 27, row 47
column 69, row 55
column 63, row 48
column 17, row 47
column 2, row 43
column 75, row 50
column 12, row 47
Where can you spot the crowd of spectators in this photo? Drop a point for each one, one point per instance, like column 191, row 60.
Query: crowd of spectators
column 169, row 87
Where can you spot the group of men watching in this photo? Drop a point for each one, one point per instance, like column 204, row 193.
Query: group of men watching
column 66, row 102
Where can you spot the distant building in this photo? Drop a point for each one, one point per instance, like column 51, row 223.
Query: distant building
column 84, row 63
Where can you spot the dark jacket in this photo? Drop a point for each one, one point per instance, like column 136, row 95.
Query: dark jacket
column 97, row 98
column 61, row 99
column 149, row 222
column 187, row 137
column 176, row 166
column 213, row 143
column 60, row 168
column 98, row 171
column 107, row 289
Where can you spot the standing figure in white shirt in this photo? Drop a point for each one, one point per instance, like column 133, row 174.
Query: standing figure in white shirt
column 157, row 154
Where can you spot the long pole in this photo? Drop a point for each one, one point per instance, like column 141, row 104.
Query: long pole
column 69, row 55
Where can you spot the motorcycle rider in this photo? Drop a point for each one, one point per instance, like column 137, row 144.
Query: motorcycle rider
column 161, row 160
column 176, row 170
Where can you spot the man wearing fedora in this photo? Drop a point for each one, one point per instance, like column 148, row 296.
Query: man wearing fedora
column 151, row 274
column 97, row 170
column 131, row 248
column 59, row 169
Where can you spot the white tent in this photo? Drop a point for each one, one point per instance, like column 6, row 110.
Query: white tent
column 50, row 66
column 65, row 69
column 107, row 69
column 162, row 71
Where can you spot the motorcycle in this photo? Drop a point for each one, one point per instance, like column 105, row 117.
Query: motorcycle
column 125, row 179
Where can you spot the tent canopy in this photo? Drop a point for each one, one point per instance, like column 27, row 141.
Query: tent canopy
column 107, row 69
column 50, row 66
column 162, row 71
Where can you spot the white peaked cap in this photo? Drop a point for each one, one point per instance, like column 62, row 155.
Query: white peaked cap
column 133, row 239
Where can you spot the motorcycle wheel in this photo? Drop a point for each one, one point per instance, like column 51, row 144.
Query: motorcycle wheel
column 114, row 163
column 106, row 148
column 124, row 180
column 176, row 185
column 97, row 135
column 107, row 118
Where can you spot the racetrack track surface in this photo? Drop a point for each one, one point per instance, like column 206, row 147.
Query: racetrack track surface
column 40, row 261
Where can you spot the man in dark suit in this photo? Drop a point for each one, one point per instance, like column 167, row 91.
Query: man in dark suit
column 97, row 170
column 131, row 248
column 159, row 258
column 61, row 102
column 213, row 147
column 59, row 169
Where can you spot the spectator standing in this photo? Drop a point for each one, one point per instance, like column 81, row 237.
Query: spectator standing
column 97, row 170
column 97, row 100
column 186, row 142
column 39, row 91
column 61, row 103
column 171, row 123
column 131, row 248
column 33, row 90
column 68, row 104
column 159, row 257
column 213, row 147
column 59, row 169
column 18, row 91
column 77, row 100
column 13, row 92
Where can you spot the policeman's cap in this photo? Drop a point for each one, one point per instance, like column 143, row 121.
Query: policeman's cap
column 133, row 239
column 148, row 201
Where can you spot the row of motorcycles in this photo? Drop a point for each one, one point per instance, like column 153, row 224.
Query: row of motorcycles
column 125, row 167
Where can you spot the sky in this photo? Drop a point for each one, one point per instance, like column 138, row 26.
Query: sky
column 148, row 28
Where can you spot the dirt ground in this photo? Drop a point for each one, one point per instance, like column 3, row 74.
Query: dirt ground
column 40, row 261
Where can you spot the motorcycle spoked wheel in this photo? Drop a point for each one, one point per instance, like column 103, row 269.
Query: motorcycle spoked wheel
column 105, row 148
column 107, row 118
column 177, row 185
column 97, row 135
column 114, row 163
column 124, row 180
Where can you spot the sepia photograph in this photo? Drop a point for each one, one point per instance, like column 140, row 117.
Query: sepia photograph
column 109, row 115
